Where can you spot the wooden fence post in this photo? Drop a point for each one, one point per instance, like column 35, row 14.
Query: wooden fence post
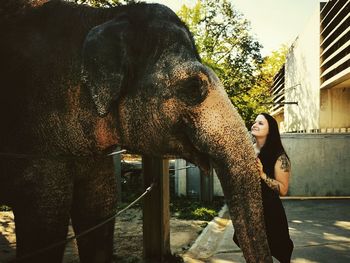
column 156, row 215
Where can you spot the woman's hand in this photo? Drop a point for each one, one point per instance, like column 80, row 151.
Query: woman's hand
column 260, row 168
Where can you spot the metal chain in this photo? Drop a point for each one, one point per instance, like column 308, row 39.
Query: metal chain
column 64, row 242
column 84, row 233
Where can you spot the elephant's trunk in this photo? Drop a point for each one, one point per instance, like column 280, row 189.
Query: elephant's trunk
column 221, row 134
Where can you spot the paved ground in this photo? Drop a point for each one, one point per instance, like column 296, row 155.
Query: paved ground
column 320, row 230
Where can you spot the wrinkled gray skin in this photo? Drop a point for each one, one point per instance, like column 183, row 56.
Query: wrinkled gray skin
column 77, row 82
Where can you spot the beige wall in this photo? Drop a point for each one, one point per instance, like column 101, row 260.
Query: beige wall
column 335, row 108
column 320, row 164
column 302, row 81
column 279, row 117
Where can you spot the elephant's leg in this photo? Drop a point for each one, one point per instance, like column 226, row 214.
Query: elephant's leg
column 34, row 231
column 42, row 215
column 95, row 196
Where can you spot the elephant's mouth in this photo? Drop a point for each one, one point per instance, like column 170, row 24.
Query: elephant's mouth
column 191, row 153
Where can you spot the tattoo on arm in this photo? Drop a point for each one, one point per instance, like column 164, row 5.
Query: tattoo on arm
column 273, row 184
column 285, row 164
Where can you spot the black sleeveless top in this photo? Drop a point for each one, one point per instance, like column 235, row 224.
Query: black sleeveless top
column 269, row 170
column 280, row 244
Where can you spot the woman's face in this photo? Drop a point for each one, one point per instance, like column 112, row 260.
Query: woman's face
column 260, row 128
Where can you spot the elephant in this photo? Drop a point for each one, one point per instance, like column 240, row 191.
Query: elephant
column 76, row 82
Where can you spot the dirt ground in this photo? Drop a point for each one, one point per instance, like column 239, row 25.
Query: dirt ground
column 128, row 237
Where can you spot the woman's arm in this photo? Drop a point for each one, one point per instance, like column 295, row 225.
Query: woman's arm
column 282, row 172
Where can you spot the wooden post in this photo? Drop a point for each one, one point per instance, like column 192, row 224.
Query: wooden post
column 156, row 215
column 207, row 187
column 118, row 173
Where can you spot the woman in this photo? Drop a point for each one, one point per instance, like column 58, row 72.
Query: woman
column 274, row 168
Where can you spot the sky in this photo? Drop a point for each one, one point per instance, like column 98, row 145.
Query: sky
column 273, row 22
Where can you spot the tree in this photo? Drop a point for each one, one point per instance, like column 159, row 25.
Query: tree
column 103, row 3
column 260, row 92
column 226, row 45
column 273, row 63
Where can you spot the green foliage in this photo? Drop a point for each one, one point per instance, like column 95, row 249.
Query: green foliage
column 103, row 3
column 226, row 45
column 5, row 208
column 204, row 213
column 130, row 259
column 187, row 208
column 273, row 63
column 258, row 97
column 192, row 17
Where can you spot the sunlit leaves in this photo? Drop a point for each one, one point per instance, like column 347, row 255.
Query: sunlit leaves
column 101, row 3
column 226, row 44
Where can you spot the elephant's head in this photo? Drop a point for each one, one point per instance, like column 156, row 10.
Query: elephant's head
column 143, row 65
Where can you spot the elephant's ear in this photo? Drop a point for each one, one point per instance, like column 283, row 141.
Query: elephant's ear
column 104, row 63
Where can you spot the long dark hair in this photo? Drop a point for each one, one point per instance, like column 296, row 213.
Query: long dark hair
column 273, row 147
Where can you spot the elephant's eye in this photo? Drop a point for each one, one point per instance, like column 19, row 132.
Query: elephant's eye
column 193, row 90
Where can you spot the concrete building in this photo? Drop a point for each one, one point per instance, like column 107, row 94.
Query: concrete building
column 311, row 96
column 312, row 91
column 335, row 66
